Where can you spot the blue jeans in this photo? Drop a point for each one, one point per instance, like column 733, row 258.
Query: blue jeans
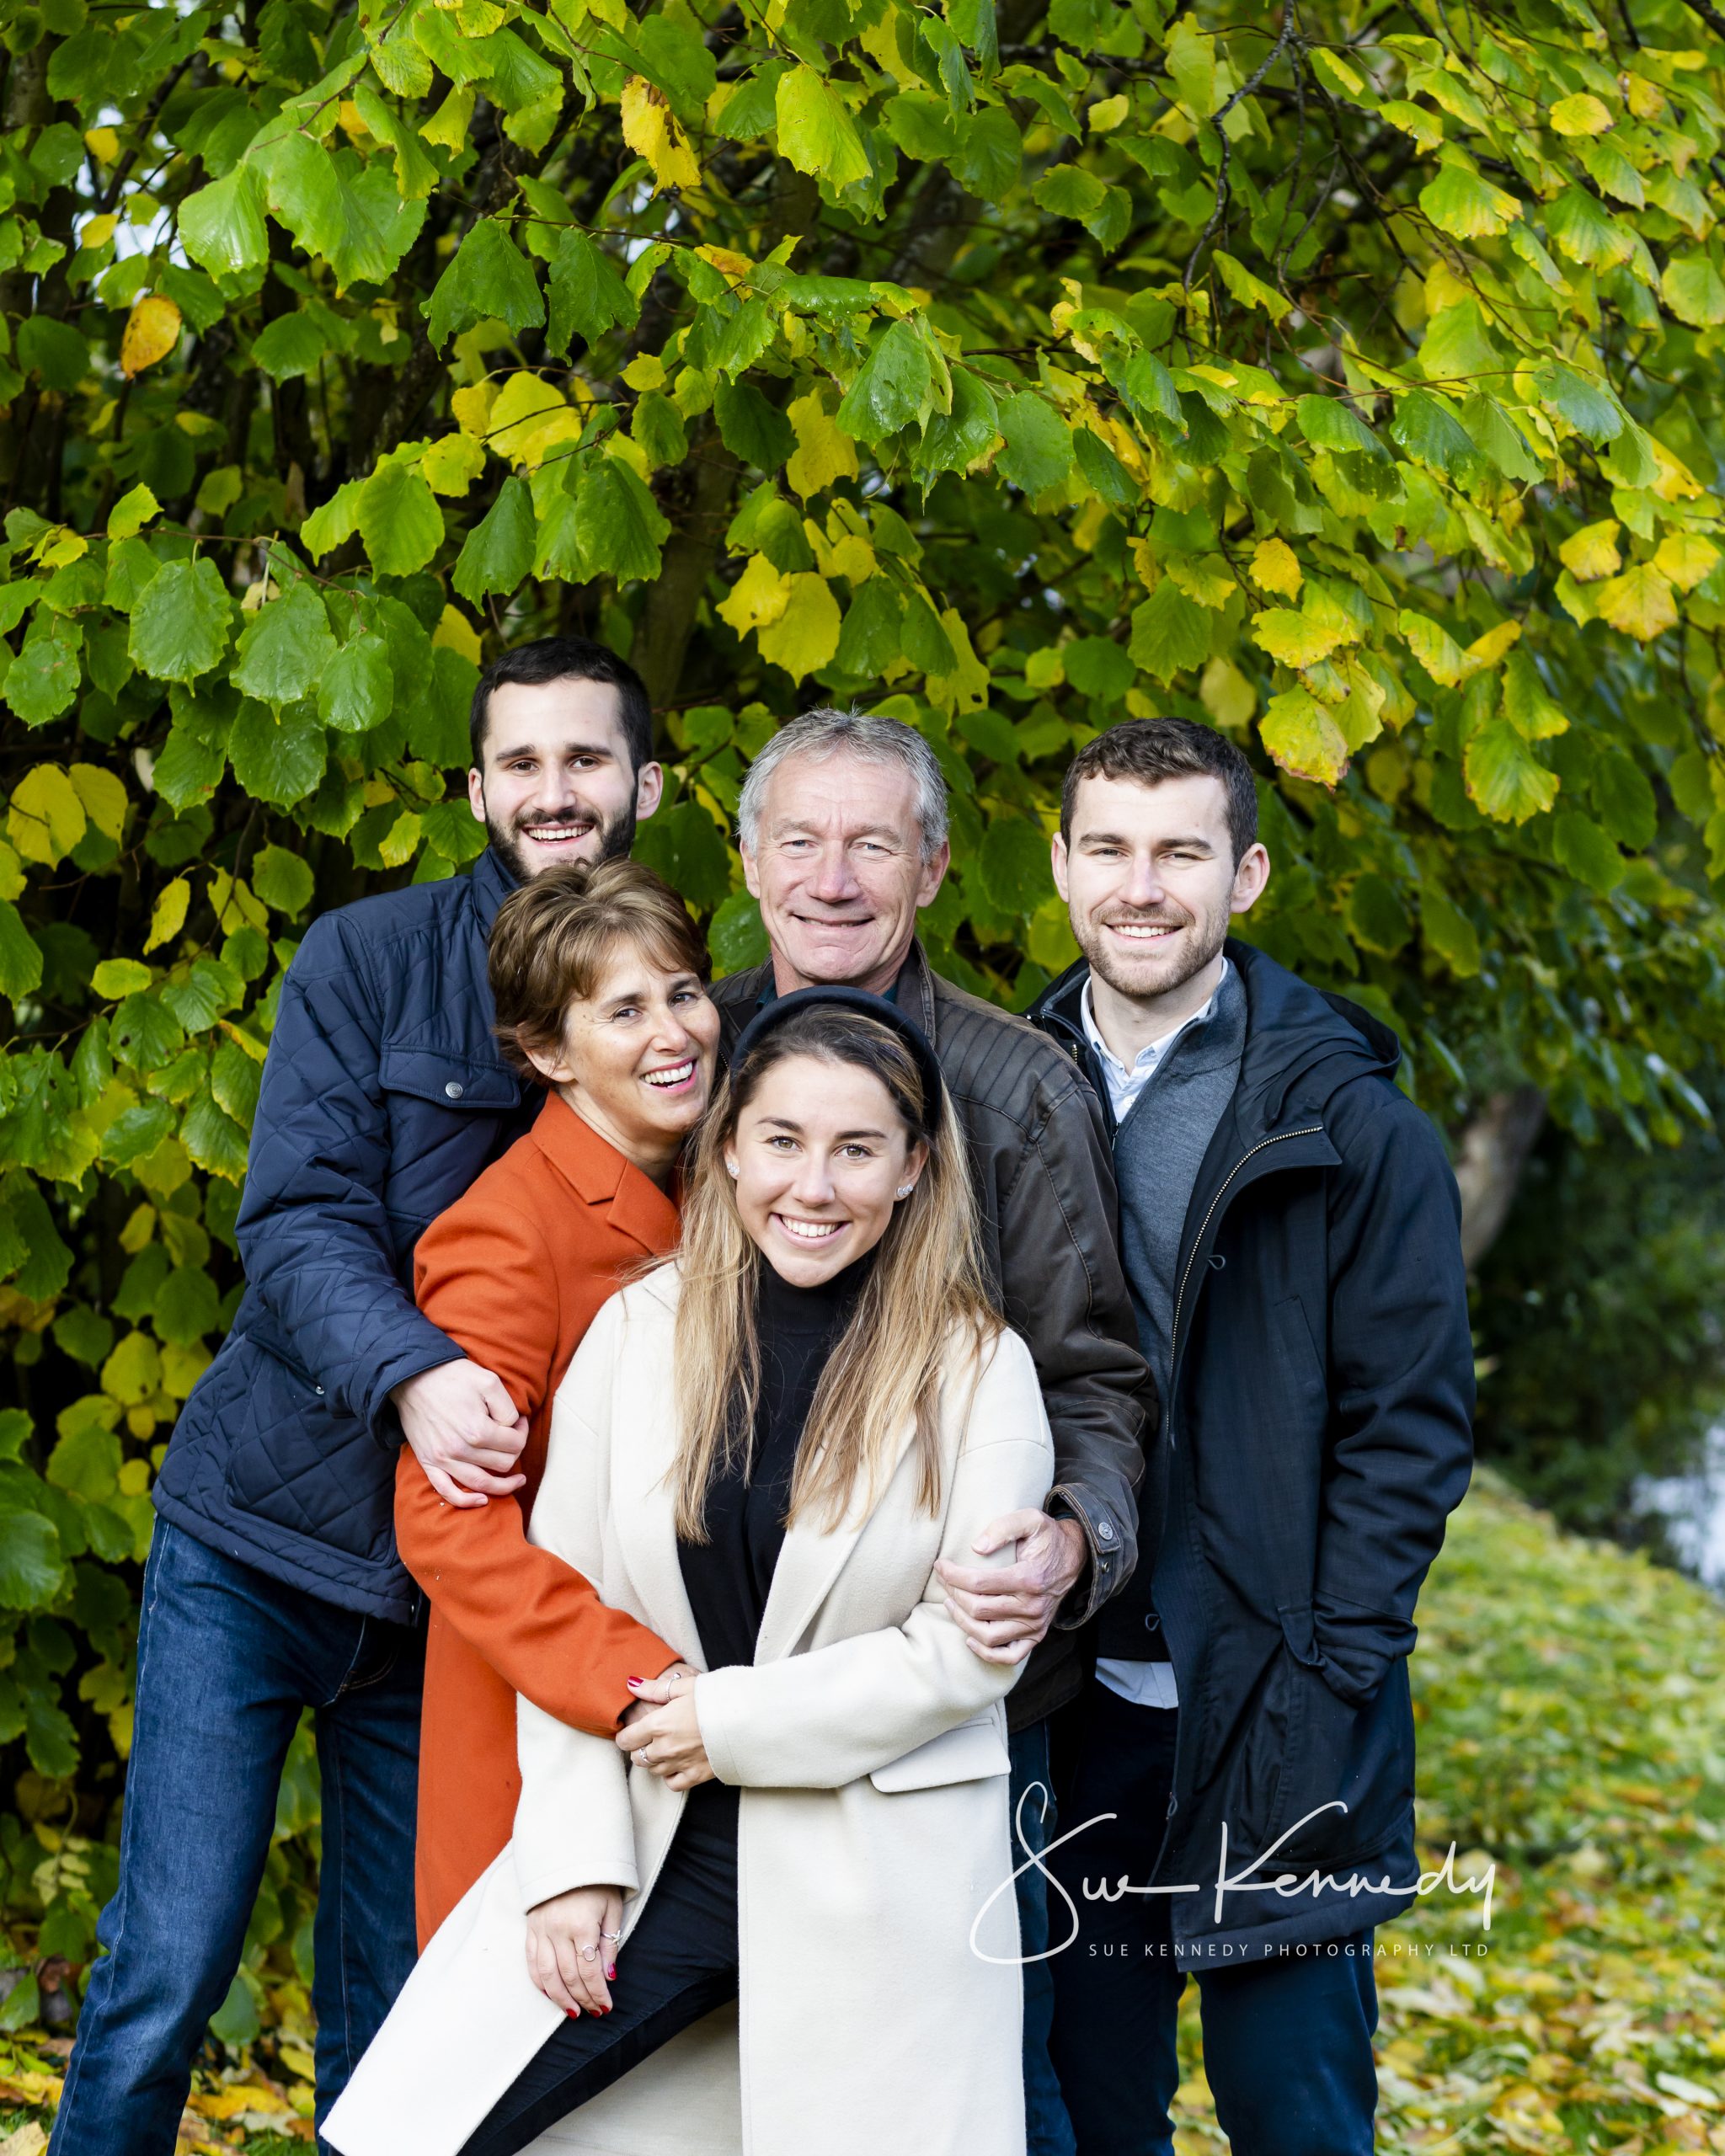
column 1287, row 2041
column 1048, row 2130
column 227, row 1660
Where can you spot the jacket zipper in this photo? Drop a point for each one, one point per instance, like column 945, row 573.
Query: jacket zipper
column 1312, row 1130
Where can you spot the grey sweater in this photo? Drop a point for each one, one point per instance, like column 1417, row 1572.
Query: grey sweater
column 1158, row 1150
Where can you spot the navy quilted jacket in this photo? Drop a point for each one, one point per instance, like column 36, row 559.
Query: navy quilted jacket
column 383, row 1097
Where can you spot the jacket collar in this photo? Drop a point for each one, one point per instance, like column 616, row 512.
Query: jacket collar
column 492, row 883
column 636, row 1206
column 1301, row 1044
column 740, row 995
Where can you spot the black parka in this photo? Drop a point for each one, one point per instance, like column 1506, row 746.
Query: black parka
column 1316, row 1437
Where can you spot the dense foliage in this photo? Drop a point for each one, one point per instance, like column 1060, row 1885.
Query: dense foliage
column 1347, row 377
column 1600, row 1321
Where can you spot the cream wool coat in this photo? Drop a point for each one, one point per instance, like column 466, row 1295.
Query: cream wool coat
column 870, row 1745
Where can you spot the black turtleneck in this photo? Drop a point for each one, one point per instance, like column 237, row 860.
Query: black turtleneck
column 727, row 1576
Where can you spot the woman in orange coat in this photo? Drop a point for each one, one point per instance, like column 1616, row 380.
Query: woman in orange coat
column 599, row 977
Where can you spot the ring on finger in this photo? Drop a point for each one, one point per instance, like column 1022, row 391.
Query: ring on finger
column 589, row 1953
column 611, row 1934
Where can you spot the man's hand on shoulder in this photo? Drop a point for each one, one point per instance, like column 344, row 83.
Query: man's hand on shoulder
column 1004, row 1611
column 464, row 1430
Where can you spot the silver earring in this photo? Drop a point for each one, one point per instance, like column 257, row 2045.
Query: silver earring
column 905, row 1188
column 730, row 1169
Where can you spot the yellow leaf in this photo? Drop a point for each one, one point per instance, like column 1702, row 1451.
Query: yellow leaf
column 1226, row 694
column 757, row 598
column 1639, row 602
column 822, row 453
column 456, row 632
column 1685, row 557
column 447, row 127
column 1647, row 100
column 651, row 131
column 736, row 270
column 59, row 546
column 1200, row 578
column 1592, row 552
column 472, row 407
column 47, row 819
column 966, row 687
column 168, row 915
column 452, row 463
column 646, row 370
column 806, row 634
column 98, row 231
column 849, row 555
column 1580, row 115
column 1435, row 648
column 1106, row 114
column 152, row 332
column 103, row 798
column 1486, row 650
column 1275, row 567
column 11, row 872
column 529, row 419
column 102, row 143
column 1294, row 637
column 1300, row 736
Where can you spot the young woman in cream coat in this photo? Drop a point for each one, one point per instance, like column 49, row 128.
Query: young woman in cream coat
column 762, row 1451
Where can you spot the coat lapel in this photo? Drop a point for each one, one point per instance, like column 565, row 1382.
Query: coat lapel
column 811, row 1559
column 642, row 1504
column 635, row 1206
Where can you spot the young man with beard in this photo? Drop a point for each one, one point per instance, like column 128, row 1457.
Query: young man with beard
column 273, row 1584
column 1243, row 1758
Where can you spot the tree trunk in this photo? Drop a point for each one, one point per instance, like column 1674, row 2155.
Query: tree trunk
column 1489, row 1160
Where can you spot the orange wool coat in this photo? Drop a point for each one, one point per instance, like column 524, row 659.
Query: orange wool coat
column 513, row 1272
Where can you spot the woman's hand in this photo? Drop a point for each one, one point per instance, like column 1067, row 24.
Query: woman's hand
column 572, row 1947
column 666, row 1740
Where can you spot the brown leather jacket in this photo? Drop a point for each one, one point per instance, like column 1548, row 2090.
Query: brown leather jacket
column 1045, row 1189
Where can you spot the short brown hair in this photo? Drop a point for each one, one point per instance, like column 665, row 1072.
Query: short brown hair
column 553, row 935
column 1152, row 750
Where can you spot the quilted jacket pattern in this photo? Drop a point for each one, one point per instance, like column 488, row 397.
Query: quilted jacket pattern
column 383, row 1097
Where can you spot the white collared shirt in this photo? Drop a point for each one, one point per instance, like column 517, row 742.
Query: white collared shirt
column 1145, row 1683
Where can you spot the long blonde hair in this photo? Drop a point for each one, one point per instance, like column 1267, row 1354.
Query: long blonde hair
column 926, row 1286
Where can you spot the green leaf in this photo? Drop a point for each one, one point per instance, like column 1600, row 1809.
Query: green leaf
column 20, row 955
column 1377, row 920
column 356, row 689
column 1505, row 779
column 221, row 225
column 187, row 1309
column 31, row 1567
column 293, row 344
column 1693, row 290
column 894, row 388
column 1096, row 666
column 1170, row 633
column 1070, row 191
column 282, row 880
column 179, row 626
column 1014, row 865
column 816, row 133
column 118, row 977
column 1426, row 427
column 284, row 647
column 990, row 153
column 399, row 521
column 1447, row 930
column 354, row 218
column 736, row 935
column 489, row 279
column 621, row 527
column 498, row 553
column 1585, row 404
column 587, row 295
column 43, row 680
column 1468, row 207
column 869, row 640
column 750, row 428
column 1300, row 735
column 277, row 755
column 952, row 441
column 1038, row 446
column 1587, row 853
column 1329, row 423
column 132, row 512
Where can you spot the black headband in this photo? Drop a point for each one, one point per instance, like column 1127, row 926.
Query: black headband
column 921, row 1048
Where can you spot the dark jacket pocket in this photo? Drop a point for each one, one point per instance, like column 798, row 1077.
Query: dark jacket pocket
column 289, row 1447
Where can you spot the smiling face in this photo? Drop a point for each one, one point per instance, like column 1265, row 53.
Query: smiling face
column 839, row 870
column 636, row 1058
column 557, row 783
column 820, row 1155
column 1150, row 880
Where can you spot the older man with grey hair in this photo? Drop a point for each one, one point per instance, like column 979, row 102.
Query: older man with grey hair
column 843, row 823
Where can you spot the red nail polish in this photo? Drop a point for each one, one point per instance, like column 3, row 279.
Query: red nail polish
column 631, row 1682
column 611, row 1976
column 574, row 2013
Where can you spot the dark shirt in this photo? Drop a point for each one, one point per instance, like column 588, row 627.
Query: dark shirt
column 728, row 1577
